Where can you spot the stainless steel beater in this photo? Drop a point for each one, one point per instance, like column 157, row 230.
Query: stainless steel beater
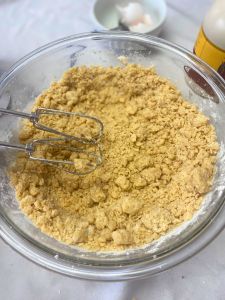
column 86, row 161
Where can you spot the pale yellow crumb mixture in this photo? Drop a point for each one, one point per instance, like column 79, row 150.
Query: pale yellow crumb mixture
column 159, row 161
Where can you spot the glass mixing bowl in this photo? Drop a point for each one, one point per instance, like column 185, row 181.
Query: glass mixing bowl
column 34, row 73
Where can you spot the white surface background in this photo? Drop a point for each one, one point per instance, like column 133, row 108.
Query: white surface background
column 26, row 25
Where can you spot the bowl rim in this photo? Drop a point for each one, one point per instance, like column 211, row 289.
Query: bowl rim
column 121, row 272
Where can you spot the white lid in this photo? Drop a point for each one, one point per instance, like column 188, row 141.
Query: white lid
column 214, row 24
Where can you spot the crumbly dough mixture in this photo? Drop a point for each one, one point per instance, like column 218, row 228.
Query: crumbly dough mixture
column 159, row 161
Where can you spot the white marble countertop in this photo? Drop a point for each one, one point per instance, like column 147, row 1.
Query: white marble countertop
column 26, row 25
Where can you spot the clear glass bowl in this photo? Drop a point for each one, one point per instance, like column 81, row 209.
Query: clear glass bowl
column 197, row 82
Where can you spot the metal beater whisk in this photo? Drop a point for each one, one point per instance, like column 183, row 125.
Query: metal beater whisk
column 83, row 160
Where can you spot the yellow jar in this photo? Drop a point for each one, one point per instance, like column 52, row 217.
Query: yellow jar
column 210, row 44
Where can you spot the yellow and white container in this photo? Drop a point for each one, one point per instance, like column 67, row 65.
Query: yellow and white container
column 210, row 44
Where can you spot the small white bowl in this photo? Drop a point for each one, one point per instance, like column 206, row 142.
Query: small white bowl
column 107, row 17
